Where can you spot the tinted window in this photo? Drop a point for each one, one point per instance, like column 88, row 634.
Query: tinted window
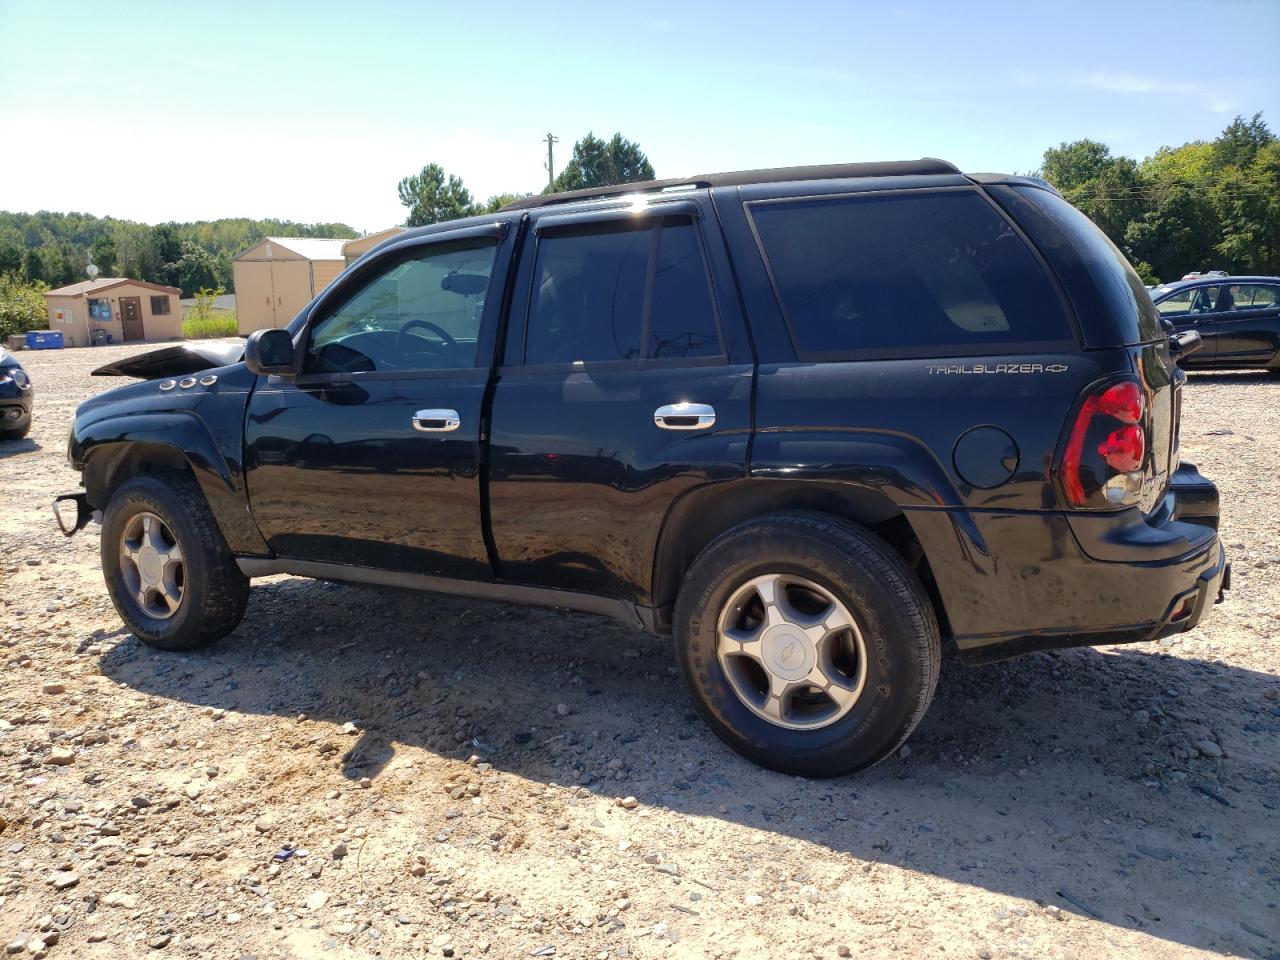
column 924, row 274
column 682, row 320
column 420, row 313
column 619, row 292
column 1107, row 294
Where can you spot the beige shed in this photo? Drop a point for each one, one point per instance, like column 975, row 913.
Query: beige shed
column 123, row 309
column 278, row 276
column 353, row 250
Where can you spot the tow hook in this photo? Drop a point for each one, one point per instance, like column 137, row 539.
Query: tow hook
column 84, row 513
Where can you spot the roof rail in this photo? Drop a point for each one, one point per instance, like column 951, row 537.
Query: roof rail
column 830, row 171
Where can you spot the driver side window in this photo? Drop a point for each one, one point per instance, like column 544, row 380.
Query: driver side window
column 422, row 312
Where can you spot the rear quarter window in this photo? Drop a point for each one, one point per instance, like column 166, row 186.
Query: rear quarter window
column 908, row 275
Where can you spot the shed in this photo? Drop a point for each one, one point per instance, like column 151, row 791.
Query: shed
column 278, row 276
column 124, row 309
column 353, row 250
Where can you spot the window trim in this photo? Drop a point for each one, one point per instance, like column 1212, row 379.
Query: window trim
column 1070, row 344
column 337, row 295
column 587, row 223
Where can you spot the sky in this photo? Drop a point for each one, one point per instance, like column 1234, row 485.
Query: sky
column 314, row 111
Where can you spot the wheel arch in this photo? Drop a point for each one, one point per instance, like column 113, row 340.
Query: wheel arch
column 114, row 450
column 707, row 511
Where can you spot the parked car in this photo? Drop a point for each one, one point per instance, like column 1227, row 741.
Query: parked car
column 16, row 397
column 811, row 422
column 1238, row 319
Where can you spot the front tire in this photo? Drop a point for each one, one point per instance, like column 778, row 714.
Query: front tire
column 807, row 643
column 169, row 571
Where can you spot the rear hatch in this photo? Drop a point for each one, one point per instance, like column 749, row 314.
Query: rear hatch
column 1114, row 310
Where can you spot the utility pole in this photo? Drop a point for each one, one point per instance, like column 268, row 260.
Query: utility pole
column 551, row 163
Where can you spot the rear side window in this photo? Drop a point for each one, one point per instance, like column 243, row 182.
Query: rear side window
column 621, row 291
column 934, row 274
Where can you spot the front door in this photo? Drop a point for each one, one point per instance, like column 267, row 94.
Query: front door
column 131, row 318
column 371, row 457
column 615, row 325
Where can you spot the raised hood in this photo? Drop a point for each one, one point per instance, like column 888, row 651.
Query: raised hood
column 175, row 361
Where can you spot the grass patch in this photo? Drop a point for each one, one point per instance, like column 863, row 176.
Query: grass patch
column 214, row 325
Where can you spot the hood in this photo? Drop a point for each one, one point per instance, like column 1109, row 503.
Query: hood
column 175, row 361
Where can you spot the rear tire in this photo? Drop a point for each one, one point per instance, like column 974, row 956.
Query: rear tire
column 833, row 674
column 170, row 573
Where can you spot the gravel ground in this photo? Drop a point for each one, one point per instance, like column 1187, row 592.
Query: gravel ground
column 362, row 772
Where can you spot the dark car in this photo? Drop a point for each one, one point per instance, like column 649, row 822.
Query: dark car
column 811, row 422
column 16, row 398
column 1238, row 319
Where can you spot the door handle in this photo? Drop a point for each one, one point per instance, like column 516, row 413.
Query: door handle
column 436, row 421
column 685, row 416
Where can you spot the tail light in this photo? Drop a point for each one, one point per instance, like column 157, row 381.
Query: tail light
column 1105, row 459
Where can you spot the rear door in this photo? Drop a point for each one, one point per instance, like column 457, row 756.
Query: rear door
column 626, row 383
column 1246, row 322
column 371, row 457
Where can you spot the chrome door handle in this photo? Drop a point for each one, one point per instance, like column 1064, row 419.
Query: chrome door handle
column 436, row 421
column 685, row 416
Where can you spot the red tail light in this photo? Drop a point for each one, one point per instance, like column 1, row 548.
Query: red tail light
column 1124, row 449
column 1109, row 422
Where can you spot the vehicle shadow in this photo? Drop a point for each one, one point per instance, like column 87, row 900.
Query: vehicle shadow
column 1069, row 778
column 11, row 448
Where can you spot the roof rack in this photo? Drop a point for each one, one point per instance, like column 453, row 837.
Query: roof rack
column 829, row 171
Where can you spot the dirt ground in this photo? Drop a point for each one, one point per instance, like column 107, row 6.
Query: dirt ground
column 362, row 772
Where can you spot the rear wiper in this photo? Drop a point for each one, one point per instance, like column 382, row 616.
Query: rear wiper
column 1181, row 344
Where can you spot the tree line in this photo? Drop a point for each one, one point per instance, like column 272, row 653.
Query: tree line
column 54, row 248
column 1205, row 205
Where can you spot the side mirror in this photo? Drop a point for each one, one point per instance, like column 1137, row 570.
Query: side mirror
column 270, row 352
column 1181, row 344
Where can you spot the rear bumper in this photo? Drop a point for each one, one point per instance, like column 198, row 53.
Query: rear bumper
column 1062, row 580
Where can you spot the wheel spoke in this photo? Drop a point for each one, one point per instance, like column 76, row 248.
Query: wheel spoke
column 141, row 597
column 171, row 597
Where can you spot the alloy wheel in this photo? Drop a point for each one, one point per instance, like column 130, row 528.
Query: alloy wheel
column 792, row 651
column 152, row 566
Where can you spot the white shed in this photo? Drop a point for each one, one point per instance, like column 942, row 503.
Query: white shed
column 278, row 276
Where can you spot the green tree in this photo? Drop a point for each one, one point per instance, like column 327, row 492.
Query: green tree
column 1241, row 141
column 197, row 268
column 1247, row 201
column 433, row 197
column 1108, row 189
column 596, row 163
column 500, row 200
column 10, row 256
column 1072, row 165
column 33, row 265
column 22, row 305
column 103, row 254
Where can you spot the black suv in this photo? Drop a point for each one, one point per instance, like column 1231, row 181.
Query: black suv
column 1237, row 318
column 811, row 422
